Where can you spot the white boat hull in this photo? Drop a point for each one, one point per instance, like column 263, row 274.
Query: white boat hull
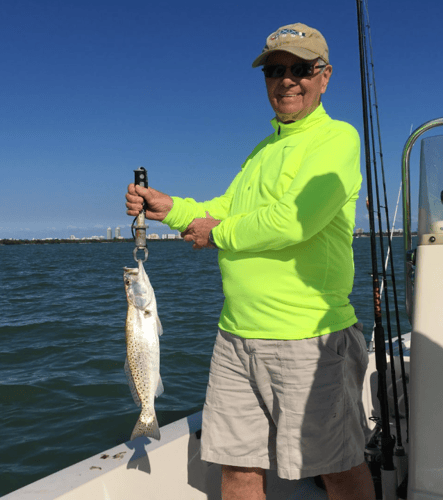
column 169, row 469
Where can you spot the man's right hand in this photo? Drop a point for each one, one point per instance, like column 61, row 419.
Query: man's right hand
column 159, row 204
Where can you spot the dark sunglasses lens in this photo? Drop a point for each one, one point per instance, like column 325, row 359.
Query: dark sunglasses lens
column 300, row 70
column 274, row 71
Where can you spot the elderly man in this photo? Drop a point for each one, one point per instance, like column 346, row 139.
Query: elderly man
column 286, row 375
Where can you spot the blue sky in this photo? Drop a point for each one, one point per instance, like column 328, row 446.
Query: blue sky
column 90, row 90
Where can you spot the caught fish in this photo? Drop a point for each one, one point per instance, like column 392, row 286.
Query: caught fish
column 142, row 364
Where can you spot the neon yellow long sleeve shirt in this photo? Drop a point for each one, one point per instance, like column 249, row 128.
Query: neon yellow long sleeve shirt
column 285, row 238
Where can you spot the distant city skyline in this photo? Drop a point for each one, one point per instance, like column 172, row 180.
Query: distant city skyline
column 85, row 232
column 29, row 232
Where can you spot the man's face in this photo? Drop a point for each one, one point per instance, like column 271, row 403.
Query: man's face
column 290, row 94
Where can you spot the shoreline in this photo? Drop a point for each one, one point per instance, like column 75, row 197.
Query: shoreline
column 63, row 241
column 130, row 240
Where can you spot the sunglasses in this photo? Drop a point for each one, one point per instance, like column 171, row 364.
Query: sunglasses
column 299, row 70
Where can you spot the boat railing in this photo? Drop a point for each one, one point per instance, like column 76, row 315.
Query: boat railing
column 407, row 235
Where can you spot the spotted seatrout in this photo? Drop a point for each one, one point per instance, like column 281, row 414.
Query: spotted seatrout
column 142, row 365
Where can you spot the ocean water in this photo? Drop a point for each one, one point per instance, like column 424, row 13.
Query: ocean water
column 63, row 392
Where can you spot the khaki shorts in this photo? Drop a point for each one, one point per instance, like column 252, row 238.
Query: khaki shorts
column 290, row 405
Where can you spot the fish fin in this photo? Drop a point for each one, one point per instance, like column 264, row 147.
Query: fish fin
column 159, row 327
column 160, row 389
column 131, row 384
column 147, row 425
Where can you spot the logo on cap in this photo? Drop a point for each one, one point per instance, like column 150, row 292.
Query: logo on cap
column 285, row 32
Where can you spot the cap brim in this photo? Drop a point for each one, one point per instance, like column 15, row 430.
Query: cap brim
column 296, row 51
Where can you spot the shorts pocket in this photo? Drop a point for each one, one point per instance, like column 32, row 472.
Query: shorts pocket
column 334, row 343
column 358, row 333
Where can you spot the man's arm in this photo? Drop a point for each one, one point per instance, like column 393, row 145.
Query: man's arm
column 185, row 210
column 195, row 220
column 327, row 180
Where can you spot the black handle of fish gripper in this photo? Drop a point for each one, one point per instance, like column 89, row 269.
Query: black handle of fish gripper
column 141, row 179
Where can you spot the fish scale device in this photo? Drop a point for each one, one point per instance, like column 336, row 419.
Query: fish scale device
column 143, row 328
column 141, row 179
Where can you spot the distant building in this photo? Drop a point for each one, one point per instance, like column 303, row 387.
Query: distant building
column 117, row 232
column 153, row 236
column 359, row 231
column 109, row 234
column 73, row 237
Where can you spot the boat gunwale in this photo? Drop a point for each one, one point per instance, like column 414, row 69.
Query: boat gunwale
column 66, row 480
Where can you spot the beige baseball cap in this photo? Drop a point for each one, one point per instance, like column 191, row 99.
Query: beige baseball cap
column 298, row 39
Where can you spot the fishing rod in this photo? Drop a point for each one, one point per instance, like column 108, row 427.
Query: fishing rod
column 387, row 444
column 399, row 451
column 141, row 179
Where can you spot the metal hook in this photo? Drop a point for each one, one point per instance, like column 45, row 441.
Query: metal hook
column 135, row 254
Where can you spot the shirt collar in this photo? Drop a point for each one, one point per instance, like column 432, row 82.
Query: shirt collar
column 285, row 129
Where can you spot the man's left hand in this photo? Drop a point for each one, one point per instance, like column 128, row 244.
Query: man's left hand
column 198, row 232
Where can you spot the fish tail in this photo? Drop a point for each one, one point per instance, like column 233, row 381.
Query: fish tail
column 146, row 425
